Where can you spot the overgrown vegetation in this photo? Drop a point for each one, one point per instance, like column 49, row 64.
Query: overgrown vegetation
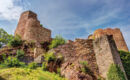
column 20, row 54
column 15, row 42
column 12, row 62
column 85, row 67
column 115, row 73
column 49, row 57
column 125, row 57
column 58, row 40
column 44, row 66
column 32, row 65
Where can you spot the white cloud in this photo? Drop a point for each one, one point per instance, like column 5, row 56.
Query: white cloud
column 9, row 10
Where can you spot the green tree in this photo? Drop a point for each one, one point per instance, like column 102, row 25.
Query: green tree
column 4, row 37
column 58, row 40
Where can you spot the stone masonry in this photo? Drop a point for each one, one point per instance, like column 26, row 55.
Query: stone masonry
column 117, row 35
column 29, row 28
column 106, row 53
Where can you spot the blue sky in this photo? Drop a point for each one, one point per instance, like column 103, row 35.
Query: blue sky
column 70, row 18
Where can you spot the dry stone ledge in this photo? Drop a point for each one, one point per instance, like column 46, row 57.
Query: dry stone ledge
column 106, row 53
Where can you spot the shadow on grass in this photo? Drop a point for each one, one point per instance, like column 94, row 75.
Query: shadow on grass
column 2, row 78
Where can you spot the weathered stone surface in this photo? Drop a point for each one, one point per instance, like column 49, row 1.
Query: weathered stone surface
column 106, row 54
column 29, row 28
column 74, row 53
column 117, row 35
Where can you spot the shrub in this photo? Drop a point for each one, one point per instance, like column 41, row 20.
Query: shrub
column 13, row 62
column 58, row 71
column 32, row 65
column 85, row 67
column 125, row 57
column 115, row 73
column 58, row 40
column 15, row 42
column 44, row 66
column 49, row 57
column 20, row 54
column 84, row 63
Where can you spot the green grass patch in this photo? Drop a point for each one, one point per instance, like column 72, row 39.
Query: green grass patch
column 27, row 74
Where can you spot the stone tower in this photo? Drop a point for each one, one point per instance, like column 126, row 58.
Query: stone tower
column 117, row 35
column 29, row 28
column 106, row 53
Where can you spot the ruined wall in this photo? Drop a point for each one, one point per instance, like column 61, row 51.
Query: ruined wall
column 106, row 53
column 75, row 52
column 29, row 28
column 117, row 35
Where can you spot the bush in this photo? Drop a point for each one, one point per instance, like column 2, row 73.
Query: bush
column 115, row 73
column 85, row 67
column 13, row 62
column 20, row 54
column 58, row 40
column 49, row 57
column 15, row 42
column 32, row 65
column 125, row 57
column 44, row 66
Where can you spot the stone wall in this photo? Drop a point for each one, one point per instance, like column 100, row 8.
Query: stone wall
column 29, row 28
column 106, row 54
column 117, row 35
column 75, row 52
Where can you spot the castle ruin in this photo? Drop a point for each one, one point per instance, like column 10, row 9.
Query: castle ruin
column 100, row 50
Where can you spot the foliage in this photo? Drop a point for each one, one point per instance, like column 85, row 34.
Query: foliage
column 4, row 37
column 26, row 74
column 84, row 63
column 125, row 57
column 40, row 24
column 12, row 62
column 58, row 71
column 15, row 42
column 32, row 65
column 20, row 54
column 85, row 67
column 49, row 57
column 58, row 40
column 44, row 66
column 3, row 56
column 115, row 73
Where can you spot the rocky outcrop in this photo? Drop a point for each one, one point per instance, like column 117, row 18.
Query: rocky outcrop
column 106, row 53
column 117, row 35
column 29, row 28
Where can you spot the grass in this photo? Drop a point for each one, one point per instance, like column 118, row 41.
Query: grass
column 27, row 74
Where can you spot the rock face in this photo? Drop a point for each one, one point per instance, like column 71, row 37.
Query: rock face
column 117, row 35
column 106, row 53
column 29, row 28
